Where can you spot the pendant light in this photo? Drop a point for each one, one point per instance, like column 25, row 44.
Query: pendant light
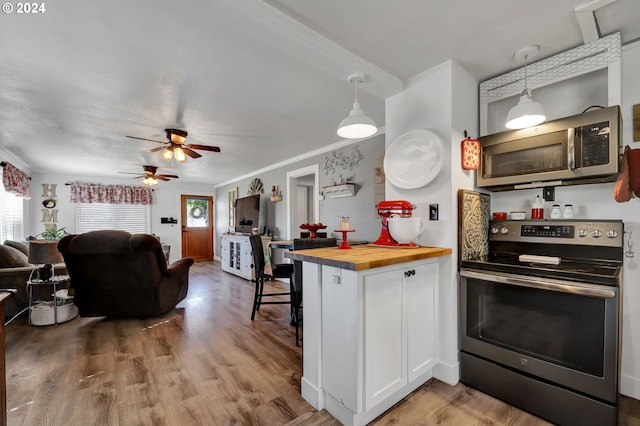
column 527, row 112
column 356, row 125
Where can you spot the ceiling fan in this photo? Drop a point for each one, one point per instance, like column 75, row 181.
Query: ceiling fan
column 150, row 176
column 176, row 146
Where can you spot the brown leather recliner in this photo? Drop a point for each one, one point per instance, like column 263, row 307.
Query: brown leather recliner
column 118, row 274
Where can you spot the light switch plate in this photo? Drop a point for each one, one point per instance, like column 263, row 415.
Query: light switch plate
column 433, row 212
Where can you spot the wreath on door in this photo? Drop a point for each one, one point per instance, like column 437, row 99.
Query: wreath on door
column 255, row 187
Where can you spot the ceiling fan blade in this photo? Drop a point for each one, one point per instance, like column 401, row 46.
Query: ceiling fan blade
column 161, row 177
column 148, row 140
column 204, row 147
column 191, row 153
column 155, row 149
column 138, row 175
column 169, row 176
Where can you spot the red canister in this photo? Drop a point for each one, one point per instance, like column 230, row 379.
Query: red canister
column 500, row 216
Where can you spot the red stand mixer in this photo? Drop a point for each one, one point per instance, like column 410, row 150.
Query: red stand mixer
column 386, row 209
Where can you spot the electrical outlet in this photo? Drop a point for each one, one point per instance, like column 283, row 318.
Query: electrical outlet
column 549, row 193
column 433, row 212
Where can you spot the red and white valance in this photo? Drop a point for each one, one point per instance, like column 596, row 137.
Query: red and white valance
column 111, row 194
column 15, row 181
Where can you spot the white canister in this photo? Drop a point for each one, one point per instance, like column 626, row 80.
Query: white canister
column 555, row 212
column 567, row 213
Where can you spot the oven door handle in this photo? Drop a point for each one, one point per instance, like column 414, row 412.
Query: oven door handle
column 552, row 285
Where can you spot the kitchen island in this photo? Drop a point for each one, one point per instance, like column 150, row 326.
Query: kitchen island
column 370, row 326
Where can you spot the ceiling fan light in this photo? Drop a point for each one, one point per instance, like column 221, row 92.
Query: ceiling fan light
column 357, row 125
column 177, row 138
column 179, row 154
column 167, row 153
column 149, row 181
column 526, row 113
column 176, row 135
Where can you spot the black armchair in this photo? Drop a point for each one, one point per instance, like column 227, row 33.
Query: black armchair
column 118, row 274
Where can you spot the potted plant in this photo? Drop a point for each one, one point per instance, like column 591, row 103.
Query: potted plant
column 53, row 233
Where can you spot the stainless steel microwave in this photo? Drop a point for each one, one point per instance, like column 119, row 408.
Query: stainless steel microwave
column 583, row 148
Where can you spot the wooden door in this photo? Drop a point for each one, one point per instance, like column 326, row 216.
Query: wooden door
column 197, row 227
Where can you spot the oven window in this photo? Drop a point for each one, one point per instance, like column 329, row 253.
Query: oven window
column 561, row 328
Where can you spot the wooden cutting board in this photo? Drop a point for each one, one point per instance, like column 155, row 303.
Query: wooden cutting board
column 365, row 256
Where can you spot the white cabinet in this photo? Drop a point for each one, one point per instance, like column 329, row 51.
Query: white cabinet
column 385, row 351
column 378, row 336
column 399, row 322
column 236, row 256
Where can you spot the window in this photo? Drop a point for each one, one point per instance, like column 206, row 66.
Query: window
column 11, row 227
column 132, row 218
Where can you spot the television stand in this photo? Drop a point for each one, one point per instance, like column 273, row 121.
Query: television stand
column 236, row 257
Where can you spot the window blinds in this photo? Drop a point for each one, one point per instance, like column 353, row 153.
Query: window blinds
column 135, row 219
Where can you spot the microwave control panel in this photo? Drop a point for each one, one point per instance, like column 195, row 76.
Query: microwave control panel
column 595, row 143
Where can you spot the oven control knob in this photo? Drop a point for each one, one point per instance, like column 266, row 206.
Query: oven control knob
column 582, row 233
column 504, row 230
column 596, row 234
column 611, row 233
column 494, row 230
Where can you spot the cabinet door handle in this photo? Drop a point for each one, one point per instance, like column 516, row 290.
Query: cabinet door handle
column 409, row 273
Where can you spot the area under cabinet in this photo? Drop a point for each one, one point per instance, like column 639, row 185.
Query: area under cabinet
column 369, row 327
column 236, row 256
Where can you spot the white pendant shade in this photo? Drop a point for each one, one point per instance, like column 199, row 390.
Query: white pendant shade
column 526, row 113
column 357, row 125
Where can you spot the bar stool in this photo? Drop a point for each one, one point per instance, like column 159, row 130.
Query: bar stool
column 300, row 244
column 283, row 270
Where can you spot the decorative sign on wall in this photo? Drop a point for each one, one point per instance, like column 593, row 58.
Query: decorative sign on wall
column 378, row 164
column 636, row 123
column 233, row 195
column 345, row 162
column 49, row 212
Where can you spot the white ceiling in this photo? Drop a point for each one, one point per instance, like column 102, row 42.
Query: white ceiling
column 264, row 80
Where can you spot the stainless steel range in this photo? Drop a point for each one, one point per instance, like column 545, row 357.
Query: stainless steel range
column 540, row 318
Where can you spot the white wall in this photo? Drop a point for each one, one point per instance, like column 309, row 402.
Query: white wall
column 166, row 203
column 360, row 208
column 443, row 100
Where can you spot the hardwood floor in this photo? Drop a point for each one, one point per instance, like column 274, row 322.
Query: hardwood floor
column 205, row 363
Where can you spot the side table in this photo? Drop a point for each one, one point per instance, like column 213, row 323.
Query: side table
column 70, row 310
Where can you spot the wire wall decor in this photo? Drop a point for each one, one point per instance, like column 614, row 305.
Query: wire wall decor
column 345, row 162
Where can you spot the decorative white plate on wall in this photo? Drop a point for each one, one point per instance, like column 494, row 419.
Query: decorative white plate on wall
column 414, row 159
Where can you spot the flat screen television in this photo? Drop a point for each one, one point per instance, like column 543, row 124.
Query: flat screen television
column 247, row 213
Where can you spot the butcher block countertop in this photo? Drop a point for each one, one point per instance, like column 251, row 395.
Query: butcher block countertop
column 363, row 257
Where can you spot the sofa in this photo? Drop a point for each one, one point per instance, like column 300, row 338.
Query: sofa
column 15, row 271
column 117, row 274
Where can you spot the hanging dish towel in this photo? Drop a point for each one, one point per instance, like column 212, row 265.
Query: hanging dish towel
column 622, row 188
column 634, row 171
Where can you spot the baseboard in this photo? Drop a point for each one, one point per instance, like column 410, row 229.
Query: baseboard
column 312, row 394
column 630, row 386
column 447, row 373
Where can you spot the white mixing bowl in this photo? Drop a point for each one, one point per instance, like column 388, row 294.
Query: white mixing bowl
column 405, row 229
